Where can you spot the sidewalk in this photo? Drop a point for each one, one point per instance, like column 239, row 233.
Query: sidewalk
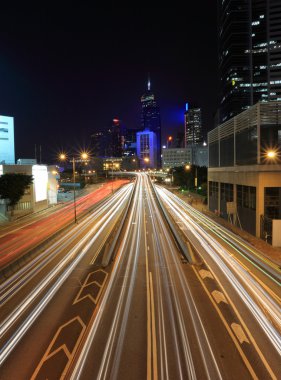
column 272, row 253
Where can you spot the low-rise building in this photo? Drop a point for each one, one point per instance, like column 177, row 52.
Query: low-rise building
column 41, row 194
column 244, row 175
column 194, row 155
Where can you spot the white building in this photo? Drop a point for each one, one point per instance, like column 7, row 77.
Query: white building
column 7, row 147
column 41, row 194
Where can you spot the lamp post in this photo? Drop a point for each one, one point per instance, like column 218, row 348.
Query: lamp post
column 112, row 176
column 74, row 190
column 172, row 177
column 188, row 167
column 63, row 157
column 196, row 179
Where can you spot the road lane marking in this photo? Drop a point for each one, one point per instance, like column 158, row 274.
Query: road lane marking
column 219, row 296
column 148, row 365
column 205, row 274
column 152, row 370
column 154, row 346
column 93, row 283
column 69, row 354
column 232, row 336
column 252, row 340
column 239, row 332
column 100, row 247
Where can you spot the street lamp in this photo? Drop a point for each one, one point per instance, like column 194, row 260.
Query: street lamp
column 188, row 167
column 146, row 160
column 271, row 154
column 172, row 177
column 112, row 176
column 63, row 157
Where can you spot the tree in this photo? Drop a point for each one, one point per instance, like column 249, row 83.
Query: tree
column 13, row 186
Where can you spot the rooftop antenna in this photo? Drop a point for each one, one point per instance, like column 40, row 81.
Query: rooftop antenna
column 148, row 82
column 35, row 152
column 40, row 154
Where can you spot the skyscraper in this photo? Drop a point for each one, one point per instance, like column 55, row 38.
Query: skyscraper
column 150, row 118
column 193, row 126
column 109, row 143
column 249, row 34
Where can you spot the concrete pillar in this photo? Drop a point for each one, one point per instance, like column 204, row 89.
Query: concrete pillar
column 259, row 203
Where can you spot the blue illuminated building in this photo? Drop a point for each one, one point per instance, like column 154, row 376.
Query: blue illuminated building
column 147, row 149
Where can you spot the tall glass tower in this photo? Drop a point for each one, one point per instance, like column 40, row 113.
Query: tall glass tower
column 249, row 34
column 150, row 118
column 193, row 126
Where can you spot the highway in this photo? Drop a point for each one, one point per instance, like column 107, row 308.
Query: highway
column 27, row 234
column 247, row 281
column 148, row 314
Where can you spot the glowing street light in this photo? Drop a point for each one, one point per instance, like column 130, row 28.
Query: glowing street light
column 188, row 167
column 63, row 157
column 271, row 154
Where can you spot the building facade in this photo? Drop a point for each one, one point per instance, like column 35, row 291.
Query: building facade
column 41, row 194
column 110, row 142
column 130, row 145
column 249, row 34
column 7, row 147
column 147, row 149
column 176, row 157
column 245, row 168
column 150, row 119
column 193, row 126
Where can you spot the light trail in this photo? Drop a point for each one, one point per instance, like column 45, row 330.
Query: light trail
column 231, row 268
column 20, row 240
column 67, row 265
column 14, row 283
column 135, row 215
column 170, row 260
column 255, row 258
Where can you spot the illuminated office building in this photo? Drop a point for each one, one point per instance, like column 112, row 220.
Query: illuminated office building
column 193, row 126
column 147, row 149
column 150, row 119
column 249, row 54
column 110, row 142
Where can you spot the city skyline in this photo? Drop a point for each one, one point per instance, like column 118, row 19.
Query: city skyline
column 144, row 242
column 65, row 85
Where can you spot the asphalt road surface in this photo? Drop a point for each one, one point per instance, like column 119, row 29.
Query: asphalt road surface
column 149, row 314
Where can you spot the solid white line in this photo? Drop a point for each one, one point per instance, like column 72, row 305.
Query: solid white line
column 154, row 345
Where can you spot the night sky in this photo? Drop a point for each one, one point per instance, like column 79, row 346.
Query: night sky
column 66, row 72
